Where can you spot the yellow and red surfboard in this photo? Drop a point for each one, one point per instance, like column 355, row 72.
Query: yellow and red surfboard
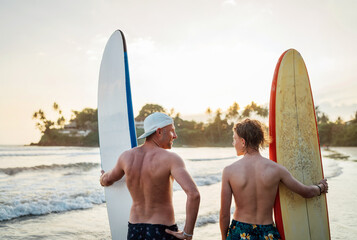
column 295, row 145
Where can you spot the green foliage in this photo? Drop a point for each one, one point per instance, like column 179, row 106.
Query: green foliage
column 139, row 132
column 217, row 132
column 54, row 138
column 338, row 133
column 147, row 110
column 232, row 112
column 325, row 133
column 350, row 136
column 91, row 140
column 44, row 124
column 86, row 119
column 253, row 107
column 189, row 133
column 323, row 119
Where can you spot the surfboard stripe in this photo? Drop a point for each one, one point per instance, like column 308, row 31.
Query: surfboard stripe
column 129, row 102
column 272, row 146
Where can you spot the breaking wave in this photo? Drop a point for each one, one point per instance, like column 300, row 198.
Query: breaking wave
column 85, row 166
column 53, row 204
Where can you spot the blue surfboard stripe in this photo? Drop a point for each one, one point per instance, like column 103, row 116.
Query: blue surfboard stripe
column 129, row 103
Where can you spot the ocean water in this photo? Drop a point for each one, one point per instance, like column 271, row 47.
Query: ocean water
column 54, row 192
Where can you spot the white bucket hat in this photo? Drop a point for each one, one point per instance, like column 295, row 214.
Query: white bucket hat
column 154, row 121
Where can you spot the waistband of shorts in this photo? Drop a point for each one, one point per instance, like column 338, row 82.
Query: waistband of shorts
column 152, row 225
column 235, row 222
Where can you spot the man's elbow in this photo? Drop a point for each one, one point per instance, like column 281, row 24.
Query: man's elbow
column 194, row 195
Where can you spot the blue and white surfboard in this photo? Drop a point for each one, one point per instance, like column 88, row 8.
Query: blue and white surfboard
column 116, row 127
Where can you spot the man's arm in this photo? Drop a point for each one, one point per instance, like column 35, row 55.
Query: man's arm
column 305, row 191
column 226, row 200
column 113, row 175
column 183, row 178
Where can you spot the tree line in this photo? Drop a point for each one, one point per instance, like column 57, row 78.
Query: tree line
column 336, row 133
column 216, row 132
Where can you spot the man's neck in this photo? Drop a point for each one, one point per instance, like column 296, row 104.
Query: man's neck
column 251, row 152
column 153, row 143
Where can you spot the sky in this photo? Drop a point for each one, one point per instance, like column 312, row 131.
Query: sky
column 183, row 54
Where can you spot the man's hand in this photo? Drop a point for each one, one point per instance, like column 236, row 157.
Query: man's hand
column 179, row 234
column 325, row 185
column 101, row 178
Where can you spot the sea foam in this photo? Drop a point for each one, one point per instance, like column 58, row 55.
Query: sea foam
column 53, row 204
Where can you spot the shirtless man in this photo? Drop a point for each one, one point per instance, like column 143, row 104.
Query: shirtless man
column 150, row 171
column 254, row 182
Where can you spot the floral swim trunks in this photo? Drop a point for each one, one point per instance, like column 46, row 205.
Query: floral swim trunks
column 240, row 230
column 147, row 231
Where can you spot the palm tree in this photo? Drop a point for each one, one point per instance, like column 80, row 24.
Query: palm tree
column 232, row 112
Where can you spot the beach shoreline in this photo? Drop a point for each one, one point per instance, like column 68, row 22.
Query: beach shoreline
column 205, row 164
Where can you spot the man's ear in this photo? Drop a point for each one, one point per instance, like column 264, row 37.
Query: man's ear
column 158, row 131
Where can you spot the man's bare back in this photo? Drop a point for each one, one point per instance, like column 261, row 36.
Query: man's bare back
column 254, row 181
column 150, row 171
column 254, row 188
column 149, row 180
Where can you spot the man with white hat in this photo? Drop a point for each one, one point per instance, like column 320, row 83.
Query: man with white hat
column 150, row 171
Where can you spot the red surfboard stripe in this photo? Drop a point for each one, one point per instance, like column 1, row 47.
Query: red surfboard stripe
column 272, row 145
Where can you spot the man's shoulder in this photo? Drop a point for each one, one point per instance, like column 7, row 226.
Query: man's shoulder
column 170, row 159
column 169, row 155
column 269, row 163
column 272, row 167
column 237, row 165
column 130, row 152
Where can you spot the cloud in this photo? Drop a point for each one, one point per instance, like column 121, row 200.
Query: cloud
column 41, row 54
column 229, row 2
